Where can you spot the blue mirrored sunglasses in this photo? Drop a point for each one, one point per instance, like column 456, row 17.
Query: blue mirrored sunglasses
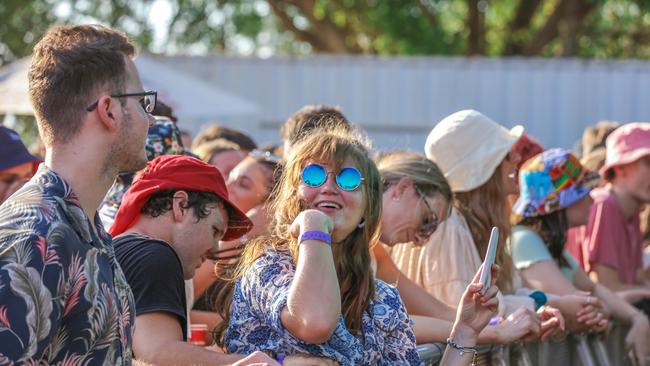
column 315, row 175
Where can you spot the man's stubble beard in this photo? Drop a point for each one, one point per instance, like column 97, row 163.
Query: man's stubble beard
column 124, row 155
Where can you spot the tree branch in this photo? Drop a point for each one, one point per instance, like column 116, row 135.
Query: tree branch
column 302, row 35
column 521, row 21
column 551, row 29
column 426, row 11
column 547, row 33
column 575, row 13
column 476, row 26
column 334, row 36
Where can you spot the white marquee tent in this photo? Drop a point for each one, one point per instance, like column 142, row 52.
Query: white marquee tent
column 194, row 101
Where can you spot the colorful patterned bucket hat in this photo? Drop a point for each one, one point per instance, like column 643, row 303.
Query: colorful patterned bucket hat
column 163, row 138
column 552, row 181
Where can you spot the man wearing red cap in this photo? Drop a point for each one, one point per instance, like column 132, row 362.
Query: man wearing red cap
column 612, row 250
column 171, row 219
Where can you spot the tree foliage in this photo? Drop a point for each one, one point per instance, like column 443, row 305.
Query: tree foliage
column 581, row 28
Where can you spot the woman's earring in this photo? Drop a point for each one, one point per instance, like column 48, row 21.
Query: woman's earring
column 401, row 193
column 361, row 224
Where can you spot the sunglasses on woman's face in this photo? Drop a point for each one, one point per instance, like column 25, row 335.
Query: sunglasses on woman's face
column 315, row 175
column 430, row 223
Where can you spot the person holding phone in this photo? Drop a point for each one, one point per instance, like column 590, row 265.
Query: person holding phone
column 309, row 286
column 477, row 157
column 416, row 200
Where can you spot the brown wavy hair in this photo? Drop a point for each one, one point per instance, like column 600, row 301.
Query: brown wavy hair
column 352, row 256
column 483, row 208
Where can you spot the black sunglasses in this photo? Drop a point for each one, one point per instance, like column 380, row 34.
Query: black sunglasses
column 431, row 221
column 148, row 100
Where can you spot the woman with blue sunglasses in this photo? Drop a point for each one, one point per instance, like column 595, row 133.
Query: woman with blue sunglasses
column 309, row 287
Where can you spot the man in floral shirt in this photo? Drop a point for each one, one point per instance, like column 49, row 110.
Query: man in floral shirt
column 63, row 296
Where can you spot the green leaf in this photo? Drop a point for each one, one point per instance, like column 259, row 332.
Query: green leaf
column 26, row 283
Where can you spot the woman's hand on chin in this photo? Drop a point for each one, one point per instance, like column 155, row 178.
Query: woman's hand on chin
column 311, row 220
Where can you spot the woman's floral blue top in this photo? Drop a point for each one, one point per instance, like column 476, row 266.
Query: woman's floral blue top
column 63, row 297
column 260, row 296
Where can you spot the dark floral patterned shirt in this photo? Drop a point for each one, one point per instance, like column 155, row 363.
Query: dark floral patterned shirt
column 63, row 297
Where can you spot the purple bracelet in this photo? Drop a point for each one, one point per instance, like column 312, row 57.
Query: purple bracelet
column 280, row 358
column 315, row 235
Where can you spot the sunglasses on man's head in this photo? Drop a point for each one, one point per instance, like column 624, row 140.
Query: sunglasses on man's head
column 315, row 175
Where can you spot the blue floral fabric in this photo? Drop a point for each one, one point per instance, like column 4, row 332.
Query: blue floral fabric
column 63, row 297
column 255, row 325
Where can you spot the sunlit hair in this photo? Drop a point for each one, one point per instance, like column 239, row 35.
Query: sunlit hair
column 483, row 208
column 72, row 65
column 424, row 173
column 207, row 150
column 273, row 168
column 352, row 255
column 311, row 117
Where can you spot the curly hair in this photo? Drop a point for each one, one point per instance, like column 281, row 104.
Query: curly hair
column 162, row 201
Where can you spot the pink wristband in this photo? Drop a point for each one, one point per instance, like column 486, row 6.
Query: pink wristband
column 315, row 235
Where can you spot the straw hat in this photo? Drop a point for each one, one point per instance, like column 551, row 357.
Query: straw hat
column 468, row 147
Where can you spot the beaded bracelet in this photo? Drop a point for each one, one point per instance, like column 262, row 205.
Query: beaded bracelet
column 463, row 350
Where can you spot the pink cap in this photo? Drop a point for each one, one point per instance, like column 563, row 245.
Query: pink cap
column 627, row 144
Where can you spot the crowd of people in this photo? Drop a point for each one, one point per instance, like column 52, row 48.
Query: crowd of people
column 127, row 236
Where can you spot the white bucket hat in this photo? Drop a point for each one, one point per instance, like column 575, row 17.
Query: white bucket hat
column 468, row 147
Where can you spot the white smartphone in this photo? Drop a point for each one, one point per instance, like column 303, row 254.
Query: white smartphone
column 490, row 255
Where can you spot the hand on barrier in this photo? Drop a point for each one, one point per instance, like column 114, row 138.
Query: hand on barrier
column 593, row 319
column 552, row 323
column 637, row 340
column 582, row 312
column 522, row 324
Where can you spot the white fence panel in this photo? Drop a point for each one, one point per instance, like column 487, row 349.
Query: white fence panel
column 398, row 100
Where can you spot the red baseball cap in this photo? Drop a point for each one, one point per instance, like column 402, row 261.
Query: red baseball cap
column 180, row 173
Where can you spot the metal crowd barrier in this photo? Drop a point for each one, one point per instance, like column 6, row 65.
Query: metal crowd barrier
column 585, row 350
column 431, row 354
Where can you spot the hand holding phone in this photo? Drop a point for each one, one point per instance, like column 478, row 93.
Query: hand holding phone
column 490, row 256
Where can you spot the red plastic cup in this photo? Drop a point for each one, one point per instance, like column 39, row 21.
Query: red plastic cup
column 197, row 334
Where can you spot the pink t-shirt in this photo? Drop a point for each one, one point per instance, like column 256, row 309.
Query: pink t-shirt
column 608, row 239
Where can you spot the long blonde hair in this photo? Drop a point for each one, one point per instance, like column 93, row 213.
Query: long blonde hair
column 352, row 256
column 483, row 208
